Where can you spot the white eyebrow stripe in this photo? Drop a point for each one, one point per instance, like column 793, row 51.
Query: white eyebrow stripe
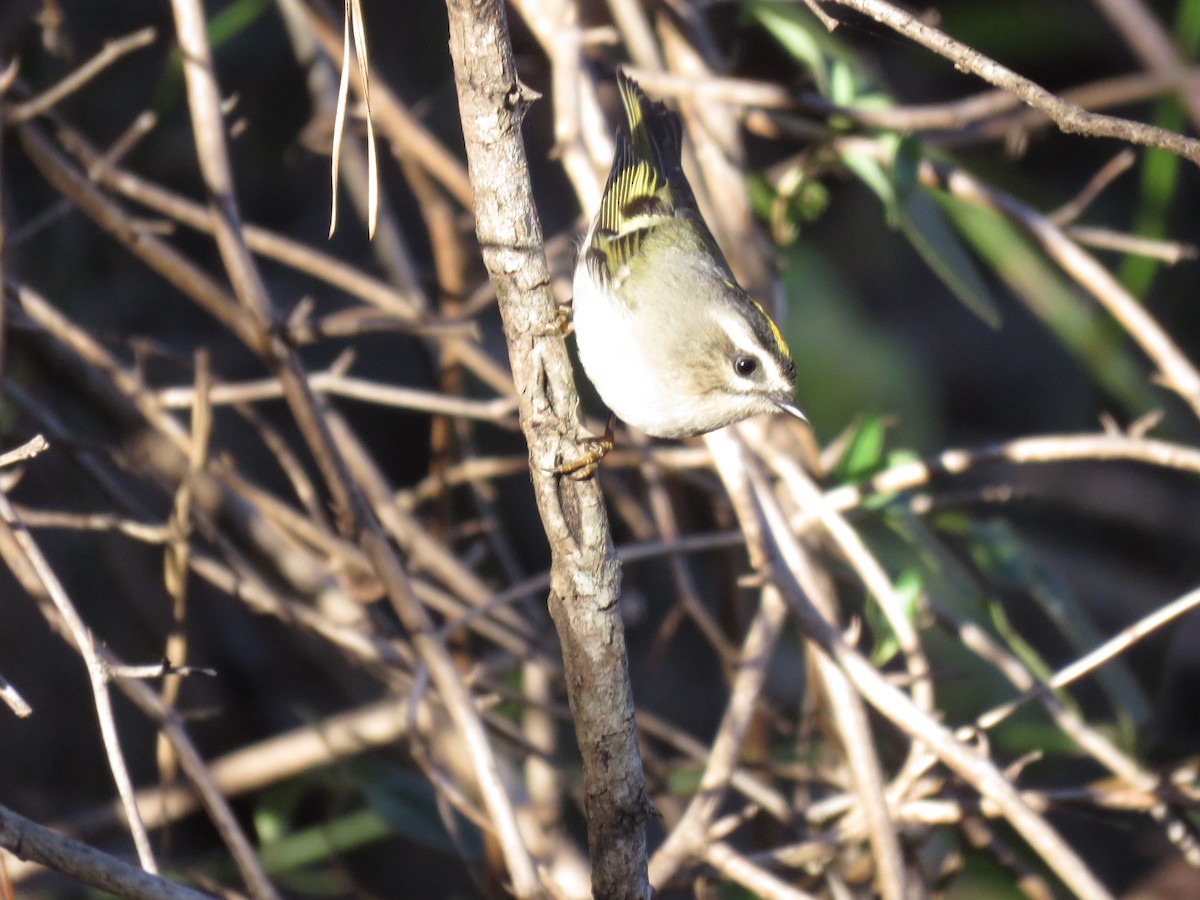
column 744, row 339
column 736, row 328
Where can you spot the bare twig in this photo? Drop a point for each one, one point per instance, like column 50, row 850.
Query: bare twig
column 556, row 25
column 1176, row 371
column 356, row 515
column 28, row 450
column 1049, row 449
column 214, row 802
column 37, row 577
column 761, row 883
column 1109, row 172
column 977, row 770
column 1070, row 118
column 847, row 708
column 1153, row 46
column 686, row 842
column 13, row 700
column 1092, row 660
column 337, row 384
column 110, row 53
column 1169, row 252
column 28, row 840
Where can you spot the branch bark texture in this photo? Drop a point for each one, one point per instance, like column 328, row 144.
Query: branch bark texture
column 585, row 575
column 28, row 840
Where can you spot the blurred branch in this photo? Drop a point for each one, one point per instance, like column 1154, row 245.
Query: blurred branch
column 13, row 700
column 1091, row 661
column 28, row 840
column 758, row 881
column 1070, row 118
column 110, row 53
column 497, row 410
column 1176, row 371
column 555, row 23
column 30, row 449
column 302, row 257
column 36, row 576
column 1048, row 449
column 584, row 599
column 355, row 513
column 792, row 572
column 1152, row 45
column 1169, row 252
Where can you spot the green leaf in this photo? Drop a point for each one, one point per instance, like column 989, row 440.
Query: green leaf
column 906, row 164
column 999, row 551
column 684, row 781
column 924, row 224
column 222, row 27
column 872, row 173
column 793, row 29
column 863, row 456
column 320, row 842
column 1055, row 300
column 907, row 590
column 1160, row 169
column 408, row 804
column 811, row 45
column 843, row 87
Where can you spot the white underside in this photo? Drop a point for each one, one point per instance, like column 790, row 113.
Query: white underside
column 626, row 373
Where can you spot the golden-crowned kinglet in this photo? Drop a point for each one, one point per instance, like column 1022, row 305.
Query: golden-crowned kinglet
column 673, row 345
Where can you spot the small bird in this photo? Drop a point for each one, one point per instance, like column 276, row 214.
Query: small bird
column 672, row 343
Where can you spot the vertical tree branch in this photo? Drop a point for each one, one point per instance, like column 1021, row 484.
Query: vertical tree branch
column 585, row 577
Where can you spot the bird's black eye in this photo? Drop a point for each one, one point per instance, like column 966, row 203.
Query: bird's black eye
column 745, row 366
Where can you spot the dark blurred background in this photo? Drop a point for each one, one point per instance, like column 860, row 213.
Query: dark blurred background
column 874, row 331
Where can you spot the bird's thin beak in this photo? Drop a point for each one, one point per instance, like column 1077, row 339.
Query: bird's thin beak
column 789, row 406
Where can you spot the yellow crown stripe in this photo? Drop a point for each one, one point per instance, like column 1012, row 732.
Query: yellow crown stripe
column 780, row 343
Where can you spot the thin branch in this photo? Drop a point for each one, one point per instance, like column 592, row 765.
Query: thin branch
column 1047, row 450
column 761, row 883
column 1169, row 252
column 13, row 700
column 555, row 23
column 1152, row 45
column 28, row 450
column 356, row 515
column 847, row 709
column 686, row 842
column 37, row 577
column 497, row 410
column 1109, row 172
column 29, row 840
column 1176, row 371
column 968, row 763
column 1071, row 119
column 1092, row 660
column 109, row 53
